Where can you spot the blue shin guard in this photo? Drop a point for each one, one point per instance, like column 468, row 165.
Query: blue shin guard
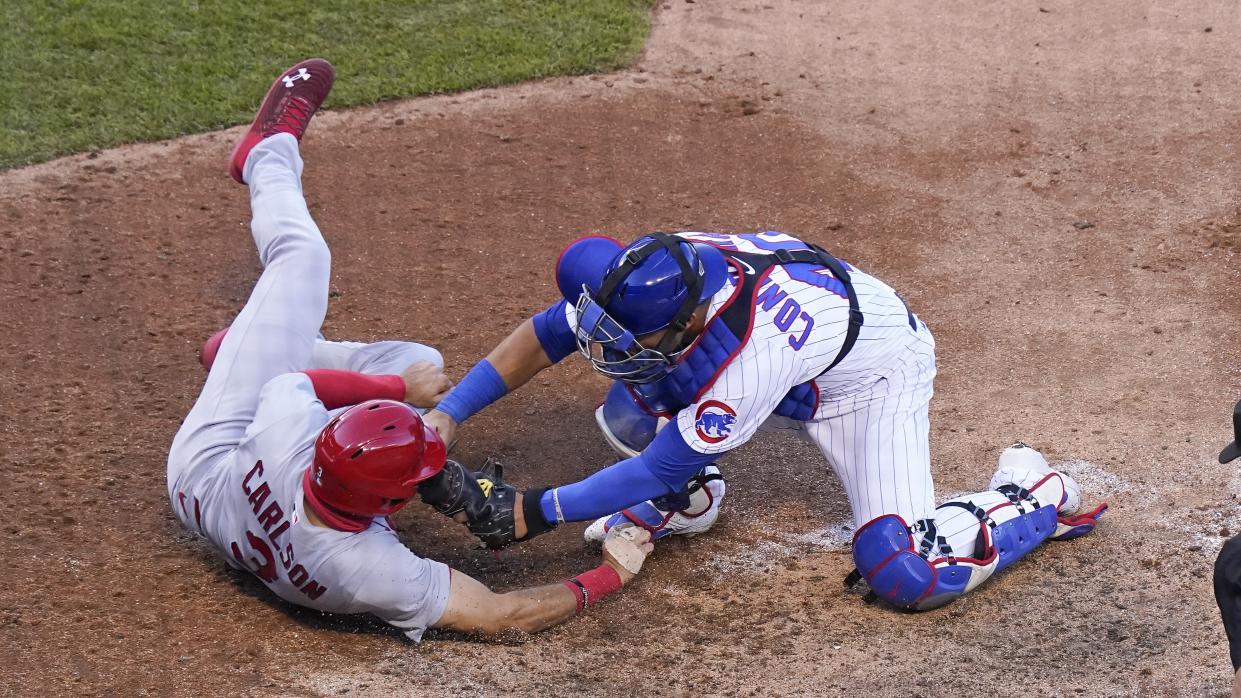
column 934, row 561
column 904, row 576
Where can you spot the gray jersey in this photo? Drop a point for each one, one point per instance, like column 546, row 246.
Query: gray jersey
column 248, row 503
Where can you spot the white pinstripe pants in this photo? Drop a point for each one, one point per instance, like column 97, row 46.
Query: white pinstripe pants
column 877, row 441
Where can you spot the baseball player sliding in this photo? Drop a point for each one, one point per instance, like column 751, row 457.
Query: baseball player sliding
column 299, row 495
column 715, row 336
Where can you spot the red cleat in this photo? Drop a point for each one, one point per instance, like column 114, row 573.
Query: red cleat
column 294, row 97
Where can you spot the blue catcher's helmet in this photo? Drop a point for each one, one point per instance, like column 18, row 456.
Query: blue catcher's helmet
column 584, row 263
column 623, row 294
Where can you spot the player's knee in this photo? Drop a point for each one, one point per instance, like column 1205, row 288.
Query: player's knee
column 312, row 259
column 310, row 251
column 906, row 576
column 429, row 353
column 295, row 243
column 626, row 425
column 408, row 353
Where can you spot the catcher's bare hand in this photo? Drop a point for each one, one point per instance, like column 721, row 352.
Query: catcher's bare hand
column 425, row 384
column 443, row 425
column 625, row 549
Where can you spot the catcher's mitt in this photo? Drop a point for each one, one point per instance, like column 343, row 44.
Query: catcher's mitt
column 494, row 523
column 454, row 490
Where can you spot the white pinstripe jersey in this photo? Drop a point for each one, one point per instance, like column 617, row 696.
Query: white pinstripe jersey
column 799, row 329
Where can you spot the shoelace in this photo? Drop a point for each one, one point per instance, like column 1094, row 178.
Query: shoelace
column 294, row 117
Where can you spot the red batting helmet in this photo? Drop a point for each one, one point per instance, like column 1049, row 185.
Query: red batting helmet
column 369, row 460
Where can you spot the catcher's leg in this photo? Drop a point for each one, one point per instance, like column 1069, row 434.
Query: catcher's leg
column 877, row 441
column 926, row 563
column 913, row 554
column 275, row 332
column 918, row 557
column 628, row 428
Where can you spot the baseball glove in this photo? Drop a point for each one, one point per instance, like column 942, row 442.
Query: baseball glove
column 453, row 490
column 494, row 523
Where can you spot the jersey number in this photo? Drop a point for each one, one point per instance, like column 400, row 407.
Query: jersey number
column 265, row 570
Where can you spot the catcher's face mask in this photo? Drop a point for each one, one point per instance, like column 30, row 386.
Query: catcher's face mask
column 612, row 349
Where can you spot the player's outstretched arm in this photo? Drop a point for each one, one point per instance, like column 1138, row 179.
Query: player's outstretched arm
column 513, row 362
column 473, row 608
column 500, row 515
column 519, row 356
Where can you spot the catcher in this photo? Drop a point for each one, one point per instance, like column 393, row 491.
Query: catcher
column 711, row 337
column 301, row 498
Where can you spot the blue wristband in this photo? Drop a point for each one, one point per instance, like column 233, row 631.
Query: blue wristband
column 480, row 387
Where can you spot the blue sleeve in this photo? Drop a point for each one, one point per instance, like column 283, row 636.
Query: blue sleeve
column 482, row 386
column 664, row 467
column 552, row 328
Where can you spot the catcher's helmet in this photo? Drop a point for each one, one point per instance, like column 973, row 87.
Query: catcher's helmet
column 370, row 458
column 621, row 294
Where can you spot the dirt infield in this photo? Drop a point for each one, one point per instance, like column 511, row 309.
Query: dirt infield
column 1054, row 189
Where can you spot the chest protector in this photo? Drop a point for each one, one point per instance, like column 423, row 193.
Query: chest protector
column 724, row 335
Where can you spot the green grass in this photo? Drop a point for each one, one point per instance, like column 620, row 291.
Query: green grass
column 77, row 75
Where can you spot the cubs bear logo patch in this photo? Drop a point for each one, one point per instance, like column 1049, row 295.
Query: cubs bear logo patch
column 714, row 421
